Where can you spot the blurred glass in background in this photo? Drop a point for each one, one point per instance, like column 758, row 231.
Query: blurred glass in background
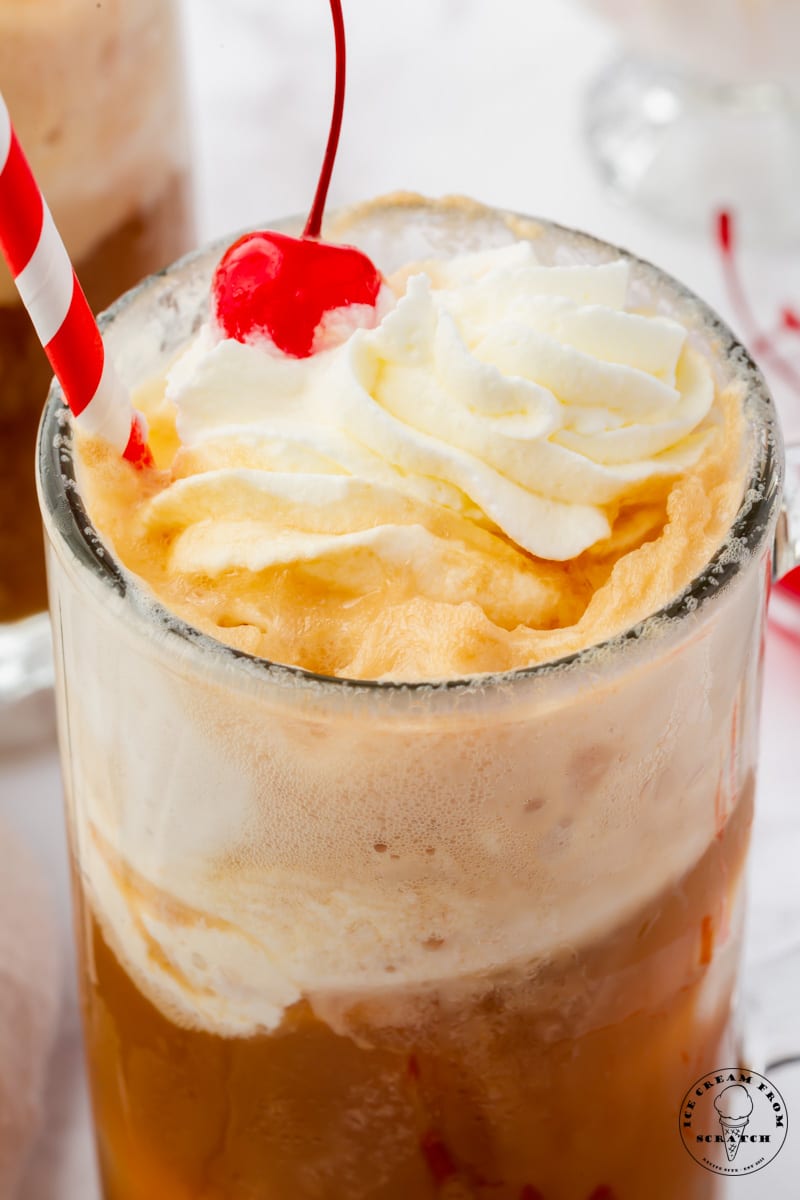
column 701, row 109
column 96, row 94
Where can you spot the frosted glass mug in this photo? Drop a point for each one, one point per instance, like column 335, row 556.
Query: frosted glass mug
column 350, row 940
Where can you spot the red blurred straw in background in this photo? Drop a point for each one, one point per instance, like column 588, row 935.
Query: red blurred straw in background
column 55, row 302
column 786, row 597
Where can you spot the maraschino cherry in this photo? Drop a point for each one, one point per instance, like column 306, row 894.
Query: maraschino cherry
column 281, row 286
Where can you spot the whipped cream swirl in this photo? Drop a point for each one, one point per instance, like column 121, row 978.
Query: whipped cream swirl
column 497, row 401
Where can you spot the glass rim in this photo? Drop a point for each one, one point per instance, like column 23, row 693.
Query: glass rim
column 60, row 501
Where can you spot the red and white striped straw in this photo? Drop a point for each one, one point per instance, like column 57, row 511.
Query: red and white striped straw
column 55, row 302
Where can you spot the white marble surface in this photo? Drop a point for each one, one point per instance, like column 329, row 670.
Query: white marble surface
column 444, row 96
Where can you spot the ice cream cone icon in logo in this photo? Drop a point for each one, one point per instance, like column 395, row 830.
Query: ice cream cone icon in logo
column 735, row 1107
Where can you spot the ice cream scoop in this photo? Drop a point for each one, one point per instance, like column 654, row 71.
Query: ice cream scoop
column 734, row 1103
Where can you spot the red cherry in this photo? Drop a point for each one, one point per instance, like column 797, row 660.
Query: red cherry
column 137, row 450
column 269, row 283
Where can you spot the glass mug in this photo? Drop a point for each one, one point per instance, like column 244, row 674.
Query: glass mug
column 700, row 112
column 372, row 940
column 96, row 95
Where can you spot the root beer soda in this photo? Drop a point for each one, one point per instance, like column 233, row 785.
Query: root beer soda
column 96, row 93
column 409, row 706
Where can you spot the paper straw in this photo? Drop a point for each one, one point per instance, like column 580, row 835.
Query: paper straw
column 55, row 302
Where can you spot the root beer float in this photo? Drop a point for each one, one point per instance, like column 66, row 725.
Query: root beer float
column 417, row 936
column 96, row 93
column 409, row 706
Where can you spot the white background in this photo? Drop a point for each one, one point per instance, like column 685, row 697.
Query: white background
column 444, row 96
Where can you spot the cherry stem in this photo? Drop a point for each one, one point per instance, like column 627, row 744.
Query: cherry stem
column 314, row 222
column 733, row 282
column 761, row 343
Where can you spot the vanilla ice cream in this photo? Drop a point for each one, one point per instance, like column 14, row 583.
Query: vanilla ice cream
column 514, row 464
